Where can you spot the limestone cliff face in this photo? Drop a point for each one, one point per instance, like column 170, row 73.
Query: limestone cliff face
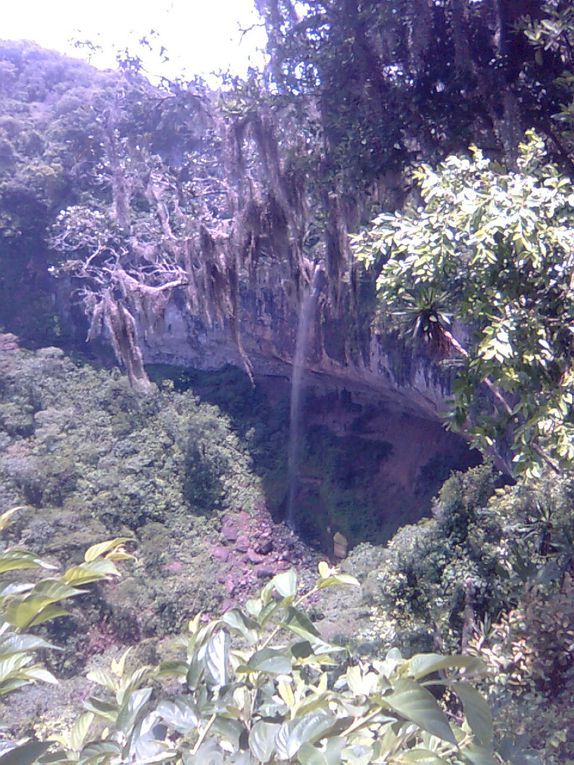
column 375, row 451
column 341, row 353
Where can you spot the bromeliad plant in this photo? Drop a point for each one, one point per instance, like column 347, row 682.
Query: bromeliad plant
column 260, row 685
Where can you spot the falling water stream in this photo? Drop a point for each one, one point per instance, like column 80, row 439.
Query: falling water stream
column 306, row 316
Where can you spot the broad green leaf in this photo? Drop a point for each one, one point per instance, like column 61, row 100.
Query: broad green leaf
column 104, row 709
column 195, row 672
column 12, row 589
column 131, row 708
column 33, row 612
column 267, row 612
column 477, row 755
column 422, row 757
column 181, row 714
column 94, row 751
column 14, row 643
column 415, row 703
column 54, row 590
column 134, row 680
column 338, row 579
column 477, row 712
column 40, row 674
column 90, row 572
column 172, row 669
column 230, row 730
column 208, row 753
column 13, row 663
column 303, row 730
column 299, row 623
column 330, row 754
column 216, row 657
column 270, row 660
column 80, row 730
column 426, row 663
column 102, row 677
column 96, row 551
column 240, row 622
column 310, row 755
column 24, row 754
column 286, row 583
column 253, row 607
column 17, row 560
column 262, row 740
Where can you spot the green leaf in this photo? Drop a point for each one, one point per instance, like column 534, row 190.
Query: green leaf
column 38, row 673
column 96, row 551
column 32, row 612
column 172, row 669
column 330, row 755
column 90, row 572
column 262, row 740
column 477, row 712
column 228, row 729
column 240, row 622
column 104, row 709
column 338, row 579
column 130, row 710
column 270, row 660
column 422, row 757
column 15, row 560
column 427, row 663
column 102, row 677
column 415, row 703
column 14, row 643
column 478, row 755
column 94, row 752
column 299, row 623
column 303, row 730
column 181, row 714
column 80, row 730
column 216, row 657
column 286, row 583
column 25, row 754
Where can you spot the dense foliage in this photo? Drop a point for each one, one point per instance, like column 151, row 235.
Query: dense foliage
column 493, row 249
column 280, row 695
column 490, row 575
column 119, row 200
column 90, row 458
column 399, row 81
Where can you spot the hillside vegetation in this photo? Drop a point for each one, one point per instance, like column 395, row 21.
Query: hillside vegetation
column 419, row 157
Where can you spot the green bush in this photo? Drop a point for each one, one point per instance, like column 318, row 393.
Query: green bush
column 259, row 685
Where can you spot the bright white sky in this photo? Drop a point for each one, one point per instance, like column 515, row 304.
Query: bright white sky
column 201, row 36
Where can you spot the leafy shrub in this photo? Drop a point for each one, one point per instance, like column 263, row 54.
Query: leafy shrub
column 259, row 685
column 471, row 561
column 82, row 440
column 530, row 657
column 24, row 605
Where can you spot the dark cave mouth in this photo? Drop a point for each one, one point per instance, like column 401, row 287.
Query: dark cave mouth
column 365, row 469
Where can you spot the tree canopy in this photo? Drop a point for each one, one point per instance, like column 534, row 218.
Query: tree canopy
column 493, row 249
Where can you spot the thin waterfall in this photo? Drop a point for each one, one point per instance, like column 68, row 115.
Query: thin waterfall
column 306, row 316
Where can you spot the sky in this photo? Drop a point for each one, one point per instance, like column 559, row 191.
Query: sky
column 201, row 36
